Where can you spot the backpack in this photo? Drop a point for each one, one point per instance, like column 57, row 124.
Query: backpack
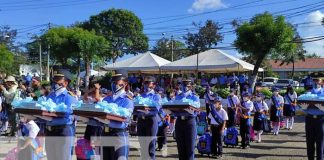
column 204, row 144
column 231, row 138
column 83, row 149
column 201, row 128
column 202, row 117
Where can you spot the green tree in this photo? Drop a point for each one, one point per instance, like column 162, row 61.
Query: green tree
column 207, row 37
column 8, row 37
column 313, row 55
column 291, row 57
column 63, row 43
column 163, row 48
column 122, row 28
column 263, row 36
column 91, row 47
column 6, row 59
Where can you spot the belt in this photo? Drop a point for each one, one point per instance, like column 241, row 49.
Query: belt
column 109, row 129
column 315, row 116
column 185, row 117
column 51, row 128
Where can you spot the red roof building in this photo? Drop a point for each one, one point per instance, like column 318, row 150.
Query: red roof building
column 309, row 65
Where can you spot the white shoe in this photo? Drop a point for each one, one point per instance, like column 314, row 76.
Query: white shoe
column 164, row 151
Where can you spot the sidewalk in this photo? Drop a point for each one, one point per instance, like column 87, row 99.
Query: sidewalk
column 287, row 145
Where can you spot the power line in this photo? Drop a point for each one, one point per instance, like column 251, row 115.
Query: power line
column 65, row 4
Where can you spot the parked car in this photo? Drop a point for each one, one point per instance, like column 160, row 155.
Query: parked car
column 302, row 82
column 296, row 84
column 269, row 81
column 283, row 83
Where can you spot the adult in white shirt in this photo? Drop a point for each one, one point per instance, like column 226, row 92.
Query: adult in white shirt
column 276, row 103
column 10, row 92
column 232, row 102
column 213, row 81
column 260, row 109
column 218, row 118
column 289, row 108
column 245, row 121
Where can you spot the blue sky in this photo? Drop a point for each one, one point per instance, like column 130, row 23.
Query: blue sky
column 25, row 15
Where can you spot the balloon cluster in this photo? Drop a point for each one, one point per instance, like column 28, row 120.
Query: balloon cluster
column 310, row 96
column 145, row 102
column 111, row 108
column 42, row 104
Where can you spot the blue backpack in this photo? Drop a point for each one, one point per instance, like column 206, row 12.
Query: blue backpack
column 201, row 128
column 204, row 144
column 231, row 137
column 202, row 117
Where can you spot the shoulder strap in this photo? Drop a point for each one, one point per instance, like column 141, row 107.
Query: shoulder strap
column 230, row 99
column 216, row 116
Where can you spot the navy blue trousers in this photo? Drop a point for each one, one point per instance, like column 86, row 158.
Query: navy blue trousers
column 120, row 150
column 59, row 143
column 245, row 132
column 314, row 136
column 147, row 131
column 186, row 132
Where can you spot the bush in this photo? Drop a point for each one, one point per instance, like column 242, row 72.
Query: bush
column 200, row 90
column 224, row 93
column 300, row 91
column 266, row 92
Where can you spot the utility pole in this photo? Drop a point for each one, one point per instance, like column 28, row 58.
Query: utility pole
column 40, row 59
column 48, row 57
column 171, row 48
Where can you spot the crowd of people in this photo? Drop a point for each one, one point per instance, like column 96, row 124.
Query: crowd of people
column 241, row 105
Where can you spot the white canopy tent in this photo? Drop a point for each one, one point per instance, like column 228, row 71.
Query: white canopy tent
column 143, row 63
column 92, row 73
column 211, row 61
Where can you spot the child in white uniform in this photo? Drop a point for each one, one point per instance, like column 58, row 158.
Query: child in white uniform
column 260, row 109
column 218, row 117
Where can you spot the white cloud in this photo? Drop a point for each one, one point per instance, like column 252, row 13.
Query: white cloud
column 314, row 29
column 315, row 17
column 201, row 5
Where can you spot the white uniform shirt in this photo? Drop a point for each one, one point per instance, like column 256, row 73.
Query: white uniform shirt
column 32, row 128
column 206, row 97
column 248, row 105
column 213, row 80
column 235, row 99
column 262, row 106
column 222, row 114
column 278, row 98
column 292, row 97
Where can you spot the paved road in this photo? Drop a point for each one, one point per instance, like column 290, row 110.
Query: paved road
column 289, row 144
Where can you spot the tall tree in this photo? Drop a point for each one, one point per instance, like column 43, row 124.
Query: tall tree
column 164, row 47
column 6, row 59
column 291, row 57
column 263, row 36
column 207, row 37
column 8, row 37
column 63, row 44
column 91, row 47
column 122, row 28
